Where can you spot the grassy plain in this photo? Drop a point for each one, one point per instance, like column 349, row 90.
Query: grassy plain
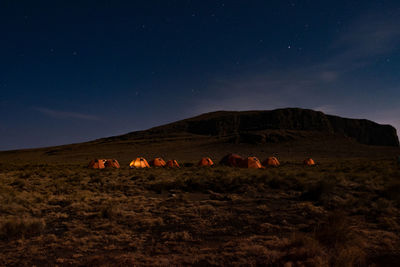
column 339, row 213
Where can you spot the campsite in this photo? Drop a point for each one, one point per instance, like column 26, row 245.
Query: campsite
column 321, row 199
column 200, row 133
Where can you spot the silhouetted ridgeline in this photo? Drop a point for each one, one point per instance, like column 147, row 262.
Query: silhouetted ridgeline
column 248, row 123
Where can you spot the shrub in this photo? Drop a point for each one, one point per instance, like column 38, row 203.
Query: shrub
column 391, row 192
column 177, row 236
column 110, row 212
column 319, row 190
column 335, row 231
column 18, row 183
column 21, row 228
column 96, row 179
column 304, row 248
column 343, row 243
column 275, row 183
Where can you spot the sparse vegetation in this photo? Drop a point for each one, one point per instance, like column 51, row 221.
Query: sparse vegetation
column 331, row 215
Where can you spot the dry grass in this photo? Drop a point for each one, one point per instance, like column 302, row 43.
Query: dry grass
column 335, row 214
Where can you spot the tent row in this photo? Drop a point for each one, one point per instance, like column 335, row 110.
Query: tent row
column 136, row 163
column 232, row 160
column 157, row 162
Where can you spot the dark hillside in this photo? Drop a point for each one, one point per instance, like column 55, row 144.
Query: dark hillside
column 229, row 123
column 290, row 134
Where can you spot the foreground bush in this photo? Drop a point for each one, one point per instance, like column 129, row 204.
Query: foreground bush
column 21, row 228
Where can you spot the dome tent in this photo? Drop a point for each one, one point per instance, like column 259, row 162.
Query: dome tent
column 205, row 162
column 251, row 163
column 232, row 160
column 157, row 162
column 271, row 161
column 172, row 163
column 139, row 163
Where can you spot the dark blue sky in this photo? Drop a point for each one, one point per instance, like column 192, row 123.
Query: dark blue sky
column 73, row 71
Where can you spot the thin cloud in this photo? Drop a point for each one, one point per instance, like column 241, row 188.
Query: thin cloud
column 66, row 114
column 367, row 38
column 323, row 85
column 370, row 35
column 327, row 109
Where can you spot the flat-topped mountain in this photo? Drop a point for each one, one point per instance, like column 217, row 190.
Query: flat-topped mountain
column 291, row 134
column 262, row 126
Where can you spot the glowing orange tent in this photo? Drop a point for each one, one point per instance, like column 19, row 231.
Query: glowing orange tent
column 157, row 162
column 111, row 163
column 172, row 164
column 103, row 163
column 271, row 161
column 205, row 162
column 251, row 163
column 139, row 163
column 232, row 160
column 97, row 164
column 309, row 162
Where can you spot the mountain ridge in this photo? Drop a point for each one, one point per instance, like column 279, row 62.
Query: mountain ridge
column 240, row 123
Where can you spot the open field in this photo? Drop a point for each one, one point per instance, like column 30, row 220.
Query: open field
column 339, row 213
column 190, row 148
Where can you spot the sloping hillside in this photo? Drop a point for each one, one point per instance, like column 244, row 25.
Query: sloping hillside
column 228, row 123
column 291, row 134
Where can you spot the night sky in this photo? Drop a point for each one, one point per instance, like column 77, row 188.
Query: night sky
column 73, row 71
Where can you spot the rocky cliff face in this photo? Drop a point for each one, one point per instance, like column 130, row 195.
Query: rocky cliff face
column 224, row 123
